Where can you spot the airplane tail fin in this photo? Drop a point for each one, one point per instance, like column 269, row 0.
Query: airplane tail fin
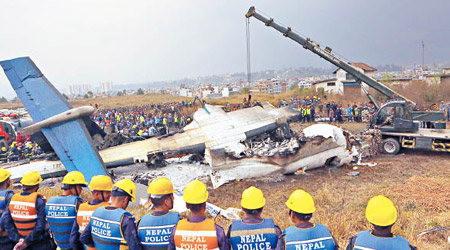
column 70, row 139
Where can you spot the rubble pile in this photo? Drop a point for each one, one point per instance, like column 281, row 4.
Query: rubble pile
column 270, row 144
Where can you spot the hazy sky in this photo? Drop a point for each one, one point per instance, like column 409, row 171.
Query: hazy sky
column 91, row 41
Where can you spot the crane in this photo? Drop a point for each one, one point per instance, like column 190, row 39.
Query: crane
column 397, row 119
column 326, row 54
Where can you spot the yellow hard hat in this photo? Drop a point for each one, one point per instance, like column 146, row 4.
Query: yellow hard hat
column 31, row 178
column 4, row 148
column 128, row 187
column 160, row 186
column 101, row 183
column 74, row 178
column 4, row 174
column 301, row 202
column 195, row 192
column 253, row 198
column 381, row 211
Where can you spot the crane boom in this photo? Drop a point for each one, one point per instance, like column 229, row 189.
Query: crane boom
column 326, row 54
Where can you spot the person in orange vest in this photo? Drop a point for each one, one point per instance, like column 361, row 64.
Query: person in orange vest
column 61, row 210
column 197, row 232
column 101, row 186
column 5, row 197
column 24, row 218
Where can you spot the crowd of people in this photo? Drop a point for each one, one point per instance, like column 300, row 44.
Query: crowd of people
column 313, row 108
column 20, row 151
column 144, row 121
column 65, row 221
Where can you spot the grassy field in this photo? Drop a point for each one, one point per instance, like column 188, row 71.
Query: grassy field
column 136, row 100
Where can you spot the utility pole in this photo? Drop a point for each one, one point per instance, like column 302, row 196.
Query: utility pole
column 423, row 56
column 249, row 70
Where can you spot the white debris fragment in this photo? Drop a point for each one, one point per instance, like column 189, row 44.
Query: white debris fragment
column 327, row 131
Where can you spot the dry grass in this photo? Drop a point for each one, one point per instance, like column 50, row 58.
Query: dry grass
column 419, row 191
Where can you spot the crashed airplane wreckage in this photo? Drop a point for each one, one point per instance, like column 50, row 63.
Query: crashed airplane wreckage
column 246, row 143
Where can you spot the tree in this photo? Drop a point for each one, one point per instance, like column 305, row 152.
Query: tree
column 3, row 99
column 90, row 94
column 119, row 93
column 86, row 96
column 140, row 92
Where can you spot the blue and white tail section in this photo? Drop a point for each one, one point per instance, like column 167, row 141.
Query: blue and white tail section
column 70, row 139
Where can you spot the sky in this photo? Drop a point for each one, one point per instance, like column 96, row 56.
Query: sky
column 136, row 41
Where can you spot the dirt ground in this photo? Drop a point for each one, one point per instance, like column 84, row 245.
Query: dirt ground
column 417, row 182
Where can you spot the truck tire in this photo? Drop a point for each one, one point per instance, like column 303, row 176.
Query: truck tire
column 3, row 143
column 390, row 146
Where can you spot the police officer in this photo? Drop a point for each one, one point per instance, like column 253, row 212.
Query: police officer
column 382, row 214
column 111, row 227
column 155, row 228
column 101, row 186
column 62, row 210
column 24, row 218
column 5, row 197
column 264, row 234
column 305, row 235
column 212, row 236
column 3, row 152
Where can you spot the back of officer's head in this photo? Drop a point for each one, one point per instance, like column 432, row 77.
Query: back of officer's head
column 253, row 201
column 119, row 198
column 301, row 205
column 161, row 193
column 161, row 200
column 195, row 195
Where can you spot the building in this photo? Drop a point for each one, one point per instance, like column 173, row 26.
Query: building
column 273, row 86
column 185, row 92
column 344, row 80
column 106, row 87
column 80, row 89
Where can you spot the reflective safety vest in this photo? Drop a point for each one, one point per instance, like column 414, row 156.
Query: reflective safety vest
column 61, row 213
column 366, row 240
column 175, row 119
column 165, row 121
column 84, row 215
column 308, row 111
column 317, row 237
column 154, row 231
column 261, row 236
column 24, row 213
column 196, row 236
column 106, row 228
column 3, row 194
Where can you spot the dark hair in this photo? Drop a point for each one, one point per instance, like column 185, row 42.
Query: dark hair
column 1, row 183
column 381, row 227
column 26, row 188
column 157, row 202
column 195, row 207
column 253, row 211
column 300, row 216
